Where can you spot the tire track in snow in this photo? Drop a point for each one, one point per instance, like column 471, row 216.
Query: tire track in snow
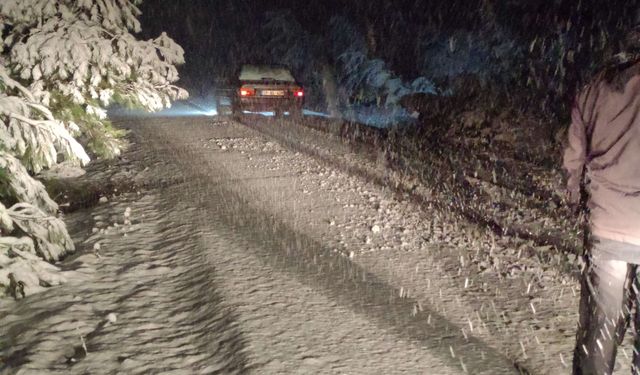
column 284, row 250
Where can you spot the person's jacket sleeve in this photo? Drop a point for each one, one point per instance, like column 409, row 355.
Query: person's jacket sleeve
column 575, row 152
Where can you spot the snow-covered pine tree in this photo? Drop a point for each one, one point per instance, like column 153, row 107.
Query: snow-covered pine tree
column 366, row 79
column 62, row 62
column 30, row 233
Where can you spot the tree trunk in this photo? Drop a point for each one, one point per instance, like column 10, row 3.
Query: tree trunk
column 330, row 88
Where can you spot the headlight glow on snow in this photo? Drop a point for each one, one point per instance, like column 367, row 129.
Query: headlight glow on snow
column 183, row 108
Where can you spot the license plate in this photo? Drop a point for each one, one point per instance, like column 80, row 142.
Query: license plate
column 273, row 92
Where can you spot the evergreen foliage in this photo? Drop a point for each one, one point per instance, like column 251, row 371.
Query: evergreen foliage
column 62, row 63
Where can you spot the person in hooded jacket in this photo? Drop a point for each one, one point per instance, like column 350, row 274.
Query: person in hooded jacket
column 602, row 160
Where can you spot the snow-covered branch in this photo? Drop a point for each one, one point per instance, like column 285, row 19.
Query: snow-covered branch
column 111, row 14
column 34, row 136
column 62, row 63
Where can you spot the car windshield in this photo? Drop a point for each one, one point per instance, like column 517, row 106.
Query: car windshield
column 265, row 73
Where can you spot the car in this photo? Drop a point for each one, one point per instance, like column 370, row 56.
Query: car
column 267, row 88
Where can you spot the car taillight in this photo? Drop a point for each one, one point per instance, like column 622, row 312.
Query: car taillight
column 246, row 92
column 299, row 93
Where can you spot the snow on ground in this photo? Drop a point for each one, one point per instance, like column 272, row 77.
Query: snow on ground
column 214, row 155
column 243, row 254
column 164, row 281
column 130, row 305
column 495, row 288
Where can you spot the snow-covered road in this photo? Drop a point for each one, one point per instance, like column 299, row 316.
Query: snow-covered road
column 229, row 252
column 303, row 306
